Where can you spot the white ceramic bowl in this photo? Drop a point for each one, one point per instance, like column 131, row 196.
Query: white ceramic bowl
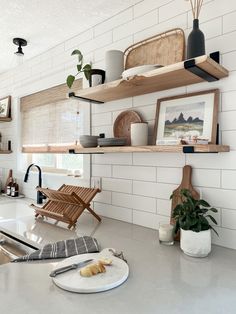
column 140, row 69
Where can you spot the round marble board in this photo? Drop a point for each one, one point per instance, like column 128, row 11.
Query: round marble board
column 114, row 276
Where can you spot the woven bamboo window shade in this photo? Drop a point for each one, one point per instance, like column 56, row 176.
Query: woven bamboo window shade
column 51, row 123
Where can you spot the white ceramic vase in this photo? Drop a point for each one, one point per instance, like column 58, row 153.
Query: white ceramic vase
column 114, row 61
column 195, row 244
column 139, row 134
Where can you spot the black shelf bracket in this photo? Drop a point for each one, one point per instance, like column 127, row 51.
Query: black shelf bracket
column 215, row 56
column 72, row 151
column 190, row 150
column 85, row 99
column 191, row 66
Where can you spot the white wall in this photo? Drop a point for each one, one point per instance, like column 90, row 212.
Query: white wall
column 136, row 187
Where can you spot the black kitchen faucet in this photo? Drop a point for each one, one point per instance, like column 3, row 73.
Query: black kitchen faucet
column 40, row 196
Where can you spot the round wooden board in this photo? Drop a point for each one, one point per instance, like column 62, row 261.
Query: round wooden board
column 123, row 122
column 72, row 281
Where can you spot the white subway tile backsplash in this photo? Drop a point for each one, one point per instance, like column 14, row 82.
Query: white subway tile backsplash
column 229, row 22
column 229, row 101
column 113, row 22
column 115, row 212
column 134, row 173
column 142, row 203
column 159, row 159
column 103, row 197
column 148, row 5
column 229, row 180
column 220, row 197
column 229, row 60
column 101, row 119
column 118, row 185
column 227, row 120
column 158, row 190
column 229, row 219
column 173, row 8
column 148, row 220
column 101, row 170
column 114, row 159
column 169, row 175
column 135, row 25
column 164, row 207
column 206, row 177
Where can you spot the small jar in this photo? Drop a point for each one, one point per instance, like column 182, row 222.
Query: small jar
column 166, row 234
column 139, row 134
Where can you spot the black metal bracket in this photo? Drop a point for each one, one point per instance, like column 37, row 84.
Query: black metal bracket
column 190, row 150
column 72, row 151
column 191, row 66
column 215, row 56
column 85, row 99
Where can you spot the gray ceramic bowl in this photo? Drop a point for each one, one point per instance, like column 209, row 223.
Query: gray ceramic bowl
column 89, row 140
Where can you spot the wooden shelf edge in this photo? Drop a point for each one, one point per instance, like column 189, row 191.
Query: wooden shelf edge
column 167, row 77
column 4, row 152
column 154, row 148
column 5, row 119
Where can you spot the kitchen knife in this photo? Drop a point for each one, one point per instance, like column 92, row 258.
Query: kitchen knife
column 61, row 270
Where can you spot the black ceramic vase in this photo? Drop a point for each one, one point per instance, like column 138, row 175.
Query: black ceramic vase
column 196, row 42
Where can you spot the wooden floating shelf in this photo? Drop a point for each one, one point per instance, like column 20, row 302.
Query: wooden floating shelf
column 4, row 152
column 183, row 73
column 5, row 119
column 154, row 148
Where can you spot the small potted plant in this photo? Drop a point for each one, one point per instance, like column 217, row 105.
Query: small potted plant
column 94, row 76
column 191, row 219
column 80, row 68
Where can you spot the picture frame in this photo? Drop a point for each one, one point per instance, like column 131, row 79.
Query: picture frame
column 5, row 107
column 187, row 119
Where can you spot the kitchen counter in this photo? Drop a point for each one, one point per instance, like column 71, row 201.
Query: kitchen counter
column 162, row 279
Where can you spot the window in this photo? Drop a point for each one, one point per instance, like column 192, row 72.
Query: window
column 50, row 125
column 58, row 163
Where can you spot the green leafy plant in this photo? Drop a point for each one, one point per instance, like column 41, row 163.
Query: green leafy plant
column 192, row 214
column 80, row 68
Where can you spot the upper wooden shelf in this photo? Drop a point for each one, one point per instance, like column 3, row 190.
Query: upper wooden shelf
column 188, row 72
column 153, row 148
column 5, row 119
column 5, row 152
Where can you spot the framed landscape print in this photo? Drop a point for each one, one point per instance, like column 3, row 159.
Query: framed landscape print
column 187, row 118
column 5, row 104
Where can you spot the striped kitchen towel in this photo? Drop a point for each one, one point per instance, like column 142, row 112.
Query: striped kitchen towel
column 62, row 249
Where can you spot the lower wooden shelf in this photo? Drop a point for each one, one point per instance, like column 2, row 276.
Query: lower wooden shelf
column 153, row 148
column 5, row 152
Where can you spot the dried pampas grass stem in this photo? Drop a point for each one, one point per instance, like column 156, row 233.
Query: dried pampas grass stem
column 196, row 6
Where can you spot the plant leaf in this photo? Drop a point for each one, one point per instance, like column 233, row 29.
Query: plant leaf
column 70, row 80
column 212, row 219
column 79, row 66
column 86, row 70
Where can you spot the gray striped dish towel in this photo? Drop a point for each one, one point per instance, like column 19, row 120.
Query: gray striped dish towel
column 62, row 249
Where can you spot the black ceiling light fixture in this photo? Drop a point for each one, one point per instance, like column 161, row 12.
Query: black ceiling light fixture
column 20, row 42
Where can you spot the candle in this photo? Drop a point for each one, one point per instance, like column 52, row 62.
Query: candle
column 166, row 234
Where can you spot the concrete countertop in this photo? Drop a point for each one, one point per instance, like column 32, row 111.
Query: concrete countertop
column 162, row 279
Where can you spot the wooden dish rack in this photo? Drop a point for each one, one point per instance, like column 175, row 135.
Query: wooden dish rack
column 67, row 203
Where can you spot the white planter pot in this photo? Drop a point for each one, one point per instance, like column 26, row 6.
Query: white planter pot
column 196, row 244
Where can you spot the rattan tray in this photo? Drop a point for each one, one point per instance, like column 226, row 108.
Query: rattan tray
column 163, row 49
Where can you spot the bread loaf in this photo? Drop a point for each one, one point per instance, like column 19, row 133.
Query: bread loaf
column 95, row 268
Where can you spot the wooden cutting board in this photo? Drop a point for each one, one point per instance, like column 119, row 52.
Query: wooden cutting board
column 185, row 184
column 114, row 276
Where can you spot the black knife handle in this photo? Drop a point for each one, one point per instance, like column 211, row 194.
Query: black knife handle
column 62, row 270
